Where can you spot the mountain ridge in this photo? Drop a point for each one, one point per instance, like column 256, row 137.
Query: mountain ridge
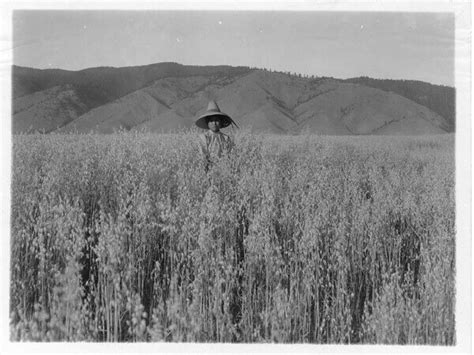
column 168, row 96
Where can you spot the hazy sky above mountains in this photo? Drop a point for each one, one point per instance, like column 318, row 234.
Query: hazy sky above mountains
column 415, row 46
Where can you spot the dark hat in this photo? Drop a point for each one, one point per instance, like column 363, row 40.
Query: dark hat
column 214, row 110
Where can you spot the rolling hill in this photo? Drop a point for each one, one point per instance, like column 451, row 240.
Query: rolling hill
column 438, row 98
column 166, row 97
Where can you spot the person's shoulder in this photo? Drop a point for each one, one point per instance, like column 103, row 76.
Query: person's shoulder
column 226, row 136
column 203, row 137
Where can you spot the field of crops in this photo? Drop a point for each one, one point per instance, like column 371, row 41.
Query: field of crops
column 128, row 237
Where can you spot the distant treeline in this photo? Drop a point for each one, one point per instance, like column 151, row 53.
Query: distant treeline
column 108, row 83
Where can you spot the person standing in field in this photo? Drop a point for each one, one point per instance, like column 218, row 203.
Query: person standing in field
column 214, row 143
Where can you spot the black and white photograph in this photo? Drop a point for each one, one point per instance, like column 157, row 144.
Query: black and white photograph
column 238, row 175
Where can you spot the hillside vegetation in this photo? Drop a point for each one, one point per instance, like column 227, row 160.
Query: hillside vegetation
column 438, row 98
column 166, row 97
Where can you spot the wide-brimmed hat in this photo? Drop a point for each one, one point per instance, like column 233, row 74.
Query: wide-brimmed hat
column 214, row 110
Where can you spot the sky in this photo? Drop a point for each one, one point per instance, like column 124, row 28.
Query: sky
column 410, row 45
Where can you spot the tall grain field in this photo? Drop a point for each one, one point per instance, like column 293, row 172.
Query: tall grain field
column 128, row 237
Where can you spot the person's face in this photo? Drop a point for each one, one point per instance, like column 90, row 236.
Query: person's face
column 214, row 124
